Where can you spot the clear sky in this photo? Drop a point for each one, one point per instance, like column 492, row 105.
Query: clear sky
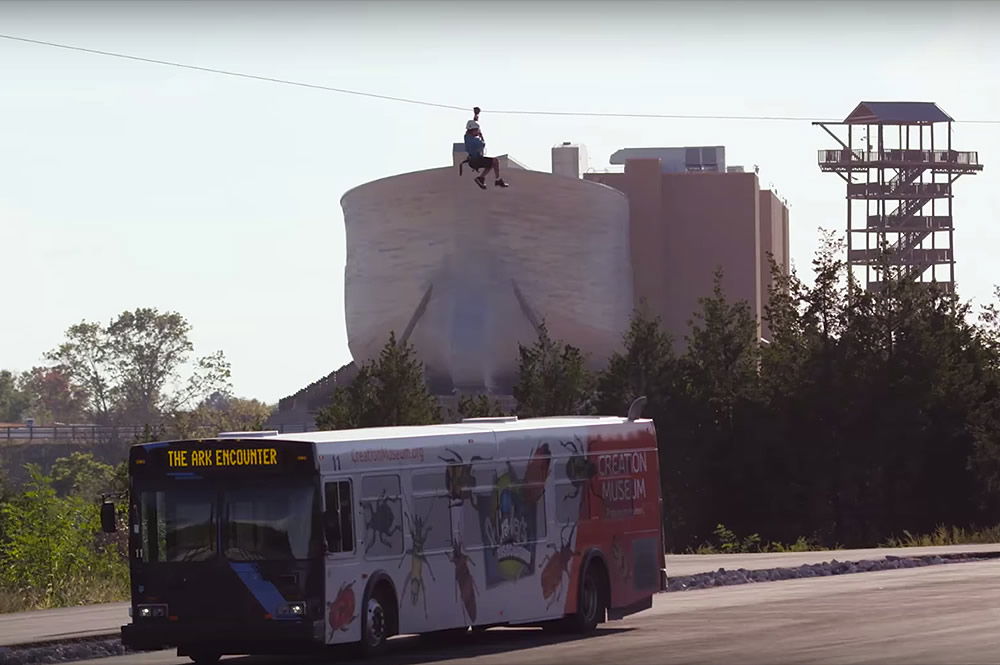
column 125, row 184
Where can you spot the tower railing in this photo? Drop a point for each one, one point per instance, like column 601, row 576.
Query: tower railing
column 895, row 156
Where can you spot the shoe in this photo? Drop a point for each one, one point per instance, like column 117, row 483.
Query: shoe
column 500, row 183
column 481, row 181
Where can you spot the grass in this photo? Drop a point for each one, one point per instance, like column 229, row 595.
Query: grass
column 944, row 535
column 92, row 590
column 10, row 602
column 728, row 542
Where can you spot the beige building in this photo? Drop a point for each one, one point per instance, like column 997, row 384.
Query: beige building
column 688, row 216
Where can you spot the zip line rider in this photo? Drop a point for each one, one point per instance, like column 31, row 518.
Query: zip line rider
column 474, row 146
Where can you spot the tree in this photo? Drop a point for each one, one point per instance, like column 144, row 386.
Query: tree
column 985, row 421
column 220, row 413
column 389, row 390
column 52, row 396
column 479, row 406
column 552, row 380
column 6, row 489
column 645, row 367
column 709, row 458
column 86, row 356
column 130, row 369
column 82, row 475
column 13, row 401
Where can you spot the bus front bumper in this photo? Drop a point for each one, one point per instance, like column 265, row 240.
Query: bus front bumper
column 272, row 638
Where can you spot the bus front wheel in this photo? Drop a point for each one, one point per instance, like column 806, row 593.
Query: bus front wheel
column 205, row 658
column 376, row 622
column 591, row 601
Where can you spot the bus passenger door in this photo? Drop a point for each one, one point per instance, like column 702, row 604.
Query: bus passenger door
column 344, row 586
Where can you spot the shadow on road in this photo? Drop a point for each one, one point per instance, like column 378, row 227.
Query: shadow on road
column 413, row 649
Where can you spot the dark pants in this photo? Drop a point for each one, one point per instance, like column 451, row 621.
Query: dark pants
column 481, row 162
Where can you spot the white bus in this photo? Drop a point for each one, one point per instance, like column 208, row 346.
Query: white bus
column 256, row 543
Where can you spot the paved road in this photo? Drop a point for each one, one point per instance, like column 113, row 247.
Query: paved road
column 24, row 627
column 921, row 616
column 28, row 627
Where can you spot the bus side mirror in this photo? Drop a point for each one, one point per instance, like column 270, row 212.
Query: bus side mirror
column 108, row 522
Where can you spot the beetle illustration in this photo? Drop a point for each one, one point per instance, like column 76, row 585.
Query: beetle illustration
column 342, row 608
column 418, row 531
column 459, row 478
column 464, row 582
column 579, row 469
column 556, row 566
column 380, row 520
column 536, row 473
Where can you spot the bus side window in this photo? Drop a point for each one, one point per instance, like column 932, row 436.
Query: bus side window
column 338, row 521
column 382, row 512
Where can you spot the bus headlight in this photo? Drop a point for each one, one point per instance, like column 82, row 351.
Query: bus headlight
column 151, row 611
column 297, row 609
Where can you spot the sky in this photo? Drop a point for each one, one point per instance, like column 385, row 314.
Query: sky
column 126, row 184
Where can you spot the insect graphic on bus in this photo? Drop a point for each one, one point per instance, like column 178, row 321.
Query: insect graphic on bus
column 621, row 561
column 579, row 469
column 459, row 478
column 415, row 578
column 536, row 473
column 342, row 608
column 464, row 581
column 556, row 566
column 381, row 521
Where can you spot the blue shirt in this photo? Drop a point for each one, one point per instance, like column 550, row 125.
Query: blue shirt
column 474, row 145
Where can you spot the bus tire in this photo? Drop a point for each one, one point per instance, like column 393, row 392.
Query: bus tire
column 592, row 600
column 205, row 657
column 377, row 620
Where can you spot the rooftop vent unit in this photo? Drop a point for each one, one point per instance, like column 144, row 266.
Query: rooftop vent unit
column 678, row 160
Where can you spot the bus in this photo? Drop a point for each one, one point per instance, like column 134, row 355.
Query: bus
column 262, row 543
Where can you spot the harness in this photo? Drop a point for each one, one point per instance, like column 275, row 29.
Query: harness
column 466, row 161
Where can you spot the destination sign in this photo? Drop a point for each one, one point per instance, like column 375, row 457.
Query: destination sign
column 221, row 457
column 218, row 458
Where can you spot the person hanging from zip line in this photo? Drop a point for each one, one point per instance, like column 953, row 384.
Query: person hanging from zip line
column 475, row 144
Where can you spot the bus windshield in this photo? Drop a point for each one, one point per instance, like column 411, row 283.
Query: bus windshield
column 254, row 524
column 269, row 523
column 178, row 525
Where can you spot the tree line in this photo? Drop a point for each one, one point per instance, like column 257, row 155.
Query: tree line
column 863, row 417
column 137, row 369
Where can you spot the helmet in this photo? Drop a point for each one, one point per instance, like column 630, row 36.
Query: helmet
column 472, row 124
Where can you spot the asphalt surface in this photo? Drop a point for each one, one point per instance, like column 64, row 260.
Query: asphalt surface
column 920, row 616
column 70, row 622
column 44, row 625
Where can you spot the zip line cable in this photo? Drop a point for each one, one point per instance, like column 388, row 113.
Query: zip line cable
column 228, row 73
column 453, row 107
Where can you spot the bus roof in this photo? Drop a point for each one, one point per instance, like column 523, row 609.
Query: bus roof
column 475, row 426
